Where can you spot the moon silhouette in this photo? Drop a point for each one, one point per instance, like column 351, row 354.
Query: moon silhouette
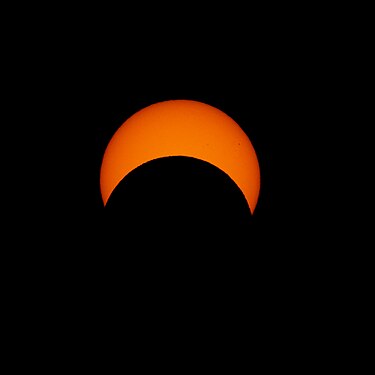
column 182, row 128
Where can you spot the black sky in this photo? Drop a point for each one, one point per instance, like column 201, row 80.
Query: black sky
column 176, row 257
column 177, row 245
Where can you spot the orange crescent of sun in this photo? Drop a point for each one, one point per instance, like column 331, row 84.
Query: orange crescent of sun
column 182, row 128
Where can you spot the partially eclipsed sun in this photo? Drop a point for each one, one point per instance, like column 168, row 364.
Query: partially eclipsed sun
column 182, row 128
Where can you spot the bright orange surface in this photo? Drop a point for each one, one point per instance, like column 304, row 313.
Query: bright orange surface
column 182, row 128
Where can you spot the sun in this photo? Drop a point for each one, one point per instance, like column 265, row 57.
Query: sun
column 182, row 128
